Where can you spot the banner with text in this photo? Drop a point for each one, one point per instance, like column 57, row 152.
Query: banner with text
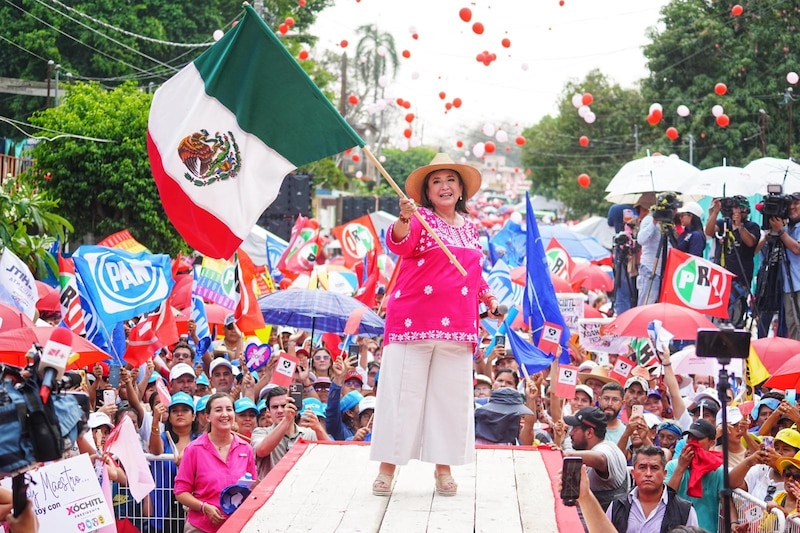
column 595, row 338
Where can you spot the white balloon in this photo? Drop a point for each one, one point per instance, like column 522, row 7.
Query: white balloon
column 683, row 111
column 501, row 136
column 717, row 110
column 381, row 50
column 218, row 34
column 498, row 177
column 412, row 29
column 479, row 149
column 383, row 80
column 590, row 118
column 463, row 160
column 655, row 106
column 577, row 100
column 466, row 153
column 516, row 218
column 415, row 75
column 524, row 66
column 488, row 129
column 382, row 159
column 792, row 77
column 359, row 174
column 403, row 146
column 414, row 142
column 583, row 110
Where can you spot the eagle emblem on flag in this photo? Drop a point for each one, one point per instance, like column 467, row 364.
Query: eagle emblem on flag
column 210, row 158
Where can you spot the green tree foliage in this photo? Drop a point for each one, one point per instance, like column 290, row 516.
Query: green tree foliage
column 104, row 187
column 399, row 164
column 29, row 224
column 556, row 159
column 703, row 44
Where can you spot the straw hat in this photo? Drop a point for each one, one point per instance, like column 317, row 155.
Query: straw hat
column 470, row 175
column 599, row 373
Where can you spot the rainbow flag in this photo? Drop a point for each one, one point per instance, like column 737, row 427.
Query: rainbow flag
column 216, row 282
column 123, row 240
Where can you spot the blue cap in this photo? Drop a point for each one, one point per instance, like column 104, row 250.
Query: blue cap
column 350, row 400
column 203, row 380
column 201, row 403
column 244, row 404
column 153, row 378
column 181, row 398
column 772, row 403
column 261, row 405
column 315, row 405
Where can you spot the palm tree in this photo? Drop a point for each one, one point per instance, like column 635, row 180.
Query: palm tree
column 371, row 65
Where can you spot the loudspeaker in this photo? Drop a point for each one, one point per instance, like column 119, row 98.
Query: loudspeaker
column 293, row 199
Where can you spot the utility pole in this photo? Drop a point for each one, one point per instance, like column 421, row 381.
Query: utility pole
column 636, row 138
column 49, row 75
column 762, row 126
column 788, row 99
column 691, row 149
column 58, row 69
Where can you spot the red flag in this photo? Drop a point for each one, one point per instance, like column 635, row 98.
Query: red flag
column 558, row 259
column 152, row 333
column 369, row 288
column 71, row 311
column 357, row 238
column 247, row 314
column 695, row 283
column 183, row 274
column 301, row 254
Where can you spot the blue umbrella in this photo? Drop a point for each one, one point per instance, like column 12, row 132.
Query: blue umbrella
column 576, row 244
column 317, row 310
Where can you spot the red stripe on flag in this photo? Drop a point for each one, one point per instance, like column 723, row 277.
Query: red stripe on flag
column 200, row 229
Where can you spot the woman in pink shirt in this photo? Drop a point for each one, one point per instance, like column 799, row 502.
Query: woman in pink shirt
column 209, row 464
column 425, row 400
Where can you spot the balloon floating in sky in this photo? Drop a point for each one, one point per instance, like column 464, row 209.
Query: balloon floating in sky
column 656, row 107
column 683, row 111
column 407, row 133
column 381, row 50
column 723, row 120
column 442, row 95
column 590, row 117
column 720, row 88
column 488, row 129
column 410, row 118
column 303, row 55
column 477, row 28
column 577, row 100
column 478, row 150
column 672, row 133
column 587, row 99
column 406, row 54
column 353, row 99
column 489, row 147
column 717, row 110
column 501, row 136
column 456, row 102
column 344, row 43
column 524, row 66
column 486, row 57
column 217, row 35
column 584, row 180
column 283, row 28
column 737, row 10
column 289, row 21
column 301, row 3
column 584, row 110
column 792, row 77
column 356, row 158
column 520, row 140
column 506, row 43
column 583, row 140
column 459, row 144
column 465, row 13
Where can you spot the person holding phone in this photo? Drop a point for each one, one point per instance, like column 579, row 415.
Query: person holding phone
column 425, row 407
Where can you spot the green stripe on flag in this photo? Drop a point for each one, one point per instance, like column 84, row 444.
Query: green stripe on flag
column 252, row 74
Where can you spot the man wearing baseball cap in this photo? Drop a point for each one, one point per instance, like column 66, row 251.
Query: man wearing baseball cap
column 221, row 372
column 606, row 464
column 703, row 468
column 182, row 379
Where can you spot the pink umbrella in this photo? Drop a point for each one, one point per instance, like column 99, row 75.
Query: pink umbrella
column 683, row 323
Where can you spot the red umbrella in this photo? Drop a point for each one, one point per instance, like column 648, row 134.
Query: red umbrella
column 49, row 297
column 683, row 323
column 592, row 277
column 519, row 276
column 13, row 318
column 591, row 312
column 15, row 344
column 786, row 376
column 775, row 351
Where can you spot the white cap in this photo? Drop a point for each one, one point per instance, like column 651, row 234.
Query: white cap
column 179, row 370
column 286, row 329
column 219, row 361
column 734, row 415
column 586, row 389
column 693, row 208
column 367, row 403
column 651, row 420
column 587, row 366
column 98, row 419
column 482, row 378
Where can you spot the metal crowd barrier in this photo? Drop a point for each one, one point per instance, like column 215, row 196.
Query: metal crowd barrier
column 159, row 512
column 753, row 518
column 793, row 524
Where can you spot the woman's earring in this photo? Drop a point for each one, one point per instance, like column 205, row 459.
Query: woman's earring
column 460, row 198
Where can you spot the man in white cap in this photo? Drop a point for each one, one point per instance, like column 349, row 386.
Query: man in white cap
column 182, row 379
column 366, row 411
column 221, row 371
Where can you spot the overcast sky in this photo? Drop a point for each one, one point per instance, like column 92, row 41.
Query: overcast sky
column 550, row 45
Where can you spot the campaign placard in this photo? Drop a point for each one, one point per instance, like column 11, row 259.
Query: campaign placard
column 550, row 340
column 567, row 381
column 622, row 369
column 284, row 371
column 595, row 338
column 571, row 307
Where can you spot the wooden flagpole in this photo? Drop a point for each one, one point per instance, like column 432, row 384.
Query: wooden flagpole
column 422, row 221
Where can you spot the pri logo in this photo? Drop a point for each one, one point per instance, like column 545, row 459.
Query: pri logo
column 558, row 262
column 699, row 286
column 357, row 240
column 125, row 283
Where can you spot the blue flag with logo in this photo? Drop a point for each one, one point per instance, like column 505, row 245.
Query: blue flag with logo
column 120, row 284
column 540, row 304
column 201, row 326
column 532, row 358
column 511, row 239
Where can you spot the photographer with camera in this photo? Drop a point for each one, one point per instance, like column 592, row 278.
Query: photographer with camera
column 736, row 239
column 624, row 219
column 788, row 236
column 656, row 235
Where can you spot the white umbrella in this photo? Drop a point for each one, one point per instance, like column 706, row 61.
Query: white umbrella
column 649, row 174
column 717, row 182
column 768, row 170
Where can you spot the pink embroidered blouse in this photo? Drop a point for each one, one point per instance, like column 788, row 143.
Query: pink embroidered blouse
column 431, row 300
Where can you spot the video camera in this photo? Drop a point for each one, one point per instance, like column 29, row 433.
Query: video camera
column 774, row 204
column 625, row 241
column 666, row 207
column 728, row 203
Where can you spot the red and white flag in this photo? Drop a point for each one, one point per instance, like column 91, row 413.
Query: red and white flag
column 71, row 310
column 693, row 282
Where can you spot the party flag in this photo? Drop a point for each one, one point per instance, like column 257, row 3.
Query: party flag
column 215, row 282
column 357, row 238
column 693, row 282
column 301, row 254
column 71, row 311
column 225, row 130
column 559, row 260
column 755, row 373
column 124, row 241
column 532, row 358
column 246, row 313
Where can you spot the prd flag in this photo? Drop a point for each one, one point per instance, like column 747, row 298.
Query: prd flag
column 224, row 131
column 357, row 238
column 558, row 259
column 693, row 282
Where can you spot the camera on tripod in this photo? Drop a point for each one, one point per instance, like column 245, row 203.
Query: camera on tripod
column 727, row 204
column 666, row 207
column 774, row 204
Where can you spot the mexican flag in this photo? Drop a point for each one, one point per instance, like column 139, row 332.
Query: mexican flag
column 224, row 132
column 695, row 283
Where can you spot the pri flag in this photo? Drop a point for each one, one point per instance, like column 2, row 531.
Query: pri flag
column 559, row 260
column 540, row 302
column 301, row 254
column 71, row 311
column 693, row 282
column 357, row 238
column 226, row 130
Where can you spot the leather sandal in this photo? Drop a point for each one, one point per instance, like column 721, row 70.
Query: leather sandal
column 382, row 486
column 445, row 485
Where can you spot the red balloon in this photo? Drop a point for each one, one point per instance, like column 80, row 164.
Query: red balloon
column 456, row 102
column 583, row 140
column 442, row 95
column 652, row 119
column 410, row 118
column 303, row 55
column 353, row 99
column 407, row 105
column 465, row 13
column 400, row 102
column 460, row 144
column 561, row 2
column 283, row 28
column 302, row 3
column 477, row 28
column 723, row 121
column 356, row 158
column 344, row 43
column 448, row 106
column 672, row 133
column 587, row 99
column 407, row 133
column 737, row 10
column 415, row 36
column 289, row 21
column 584, row 180
column 520, row 140
column 489, row 147
column 657, row 114
column 720, row 88
column 506, row 43
column 406, row 54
